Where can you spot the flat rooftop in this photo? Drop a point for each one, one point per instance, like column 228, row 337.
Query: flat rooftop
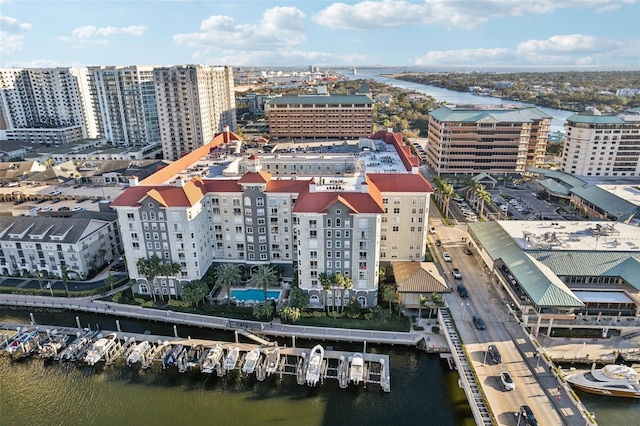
column 630, row 193
column 577, row 236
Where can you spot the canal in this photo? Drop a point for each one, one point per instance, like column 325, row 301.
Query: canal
column 423, row 389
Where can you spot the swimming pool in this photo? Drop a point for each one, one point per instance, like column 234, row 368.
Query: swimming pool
column 254, row 294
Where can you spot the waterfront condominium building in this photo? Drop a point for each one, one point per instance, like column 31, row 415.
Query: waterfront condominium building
column 194, row 103
column 39, row 98
column 124, row 103
column 498, row 140
column 348, row 214
column 321, row 116
column 602, row 145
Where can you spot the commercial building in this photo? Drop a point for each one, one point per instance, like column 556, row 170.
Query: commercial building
column 210, row 207
column 321, row 116
column 42, row 98
column 45, row 245
column 498, row 140
column 602, row 145
column 194, row 103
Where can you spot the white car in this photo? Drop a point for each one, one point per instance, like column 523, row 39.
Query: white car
column 507, row 381
column 432, row 229
column 446, row 256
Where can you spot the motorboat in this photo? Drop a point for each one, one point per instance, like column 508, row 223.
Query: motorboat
column 251, row 360
column 21, row 339
column 55, row 345
column 194, row 356
column 315, row 365
column 100, row 348
column 610, row 380
column 212, row 359
column 77, row 348
column 231, row 359
column 273, row 361
column 356, row 369
column 136, row 353
column 171, row 358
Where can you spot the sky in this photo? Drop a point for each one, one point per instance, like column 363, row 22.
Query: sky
column 562, row 34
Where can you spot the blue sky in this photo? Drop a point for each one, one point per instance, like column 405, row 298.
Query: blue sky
column 602, row 34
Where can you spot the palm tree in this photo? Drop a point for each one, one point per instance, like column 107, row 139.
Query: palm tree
column 423, row 303
column 110, row 280
column 170, row 270
column 264, row 277
column 39, row 279
column 150, row 268
column 326, row 282
column 64, row 269
column 483, row 197
column 448, row 192
column 390, row 295
column 227, row 275
column 343, row 283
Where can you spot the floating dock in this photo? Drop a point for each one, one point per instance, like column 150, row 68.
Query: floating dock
column 272, row 359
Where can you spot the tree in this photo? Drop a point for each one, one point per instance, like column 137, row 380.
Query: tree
column 39, row 276
column 170, row 270
column 298, row 298
column 264, row 277
column 290, row 314
column 483, row 197
column 65, row 276
column 110, row 280
column 263, row 311
column 150, row 268
column 390, row 295
column 194, row 292
column 227, row 275
column 423, row 303
column 326, row 282
column 343, row 283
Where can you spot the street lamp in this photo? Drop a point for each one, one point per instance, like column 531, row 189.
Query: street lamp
column 464, row 310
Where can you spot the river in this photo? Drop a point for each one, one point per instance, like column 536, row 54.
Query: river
column 36, row 393
column 449, row 96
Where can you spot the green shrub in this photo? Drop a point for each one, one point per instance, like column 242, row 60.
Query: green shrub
column 435, row 329
column 148, row 304
column 418, row 327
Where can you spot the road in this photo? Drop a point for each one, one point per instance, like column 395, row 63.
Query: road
column 536, row 384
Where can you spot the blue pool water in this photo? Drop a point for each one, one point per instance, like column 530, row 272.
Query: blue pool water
column 254, row 294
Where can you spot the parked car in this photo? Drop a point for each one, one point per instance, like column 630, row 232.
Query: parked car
column 64, row 209
column 494, row 354
column 467, row 251
column 479, row 322
column 446, row 256
column 432, row 229
column 456, row 274
column 438, row 243
column 462, row 291
column 527, row 416
column 507, row 381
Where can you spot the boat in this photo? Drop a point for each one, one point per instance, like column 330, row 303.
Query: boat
column 610, row 380
column 251, row 360
column 100, row 348
column 315, row 364
column 172, row 356
column 356, row 369
column 137, row 352
column 273, row 361
column 212, row 359
column 56, row 343
column 231, row 359
column 21, row 339
column 77, row 348
column 194, row 356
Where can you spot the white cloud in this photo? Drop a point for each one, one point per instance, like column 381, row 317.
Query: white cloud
column 90, row 35
column 284, row 58
column 571, row 49
column 11, row 34
column 278, row 28
column 41, row 63
column 371, row 14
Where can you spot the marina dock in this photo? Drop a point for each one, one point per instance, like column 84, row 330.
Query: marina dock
column 116, row 347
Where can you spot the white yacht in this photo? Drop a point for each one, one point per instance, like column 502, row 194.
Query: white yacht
column 356, row 369
column 611, row 380
column 273, row 360
column 100, row 348
column 212, row 359
column 231, row 359
column 251, row 360
column 314, row 369
column 56, row 343
column 137, row 352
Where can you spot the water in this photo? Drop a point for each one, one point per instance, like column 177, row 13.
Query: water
column 254, row 294
column 36, row 393
column 450, row 96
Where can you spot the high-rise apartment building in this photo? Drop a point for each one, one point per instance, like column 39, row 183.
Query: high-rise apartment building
column 194, row 103
column 40, row 98
column 347, row 214
column 499, row 140
column 321, row 116
column 602, row 145
column 124, row 103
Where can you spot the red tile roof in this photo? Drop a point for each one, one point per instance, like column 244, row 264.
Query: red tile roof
column 167, row 195
column 288, row 185
column 319, row 202
column 400, row 182
column 256, row 177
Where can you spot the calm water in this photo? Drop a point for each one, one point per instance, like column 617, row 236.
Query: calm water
column 254, row 294
column 450, row 96
column 423, row 391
